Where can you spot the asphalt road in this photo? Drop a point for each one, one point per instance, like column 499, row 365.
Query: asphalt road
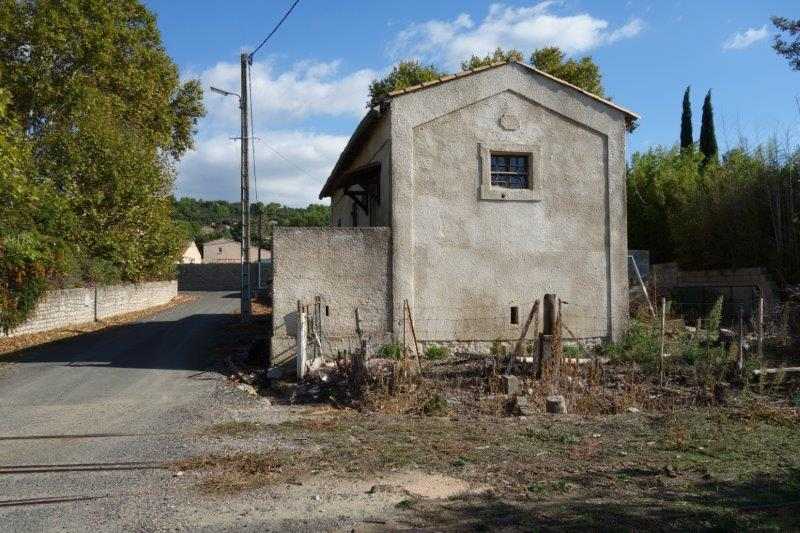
column 90, row 417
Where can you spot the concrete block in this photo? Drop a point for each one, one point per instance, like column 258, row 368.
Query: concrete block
column 556, row 405
column 511, row 385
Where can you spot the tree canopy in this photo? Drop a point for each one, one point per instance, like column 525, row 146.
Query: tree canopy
column 708, row 135
column 404, row 74
column 498, row 55
column 95, row 117
column 204, row 220
column 687, row 140
column 583, row 73
column 790, row 49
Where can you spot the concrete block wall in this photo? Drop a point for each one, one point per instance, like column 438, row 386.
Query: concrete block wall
column 213, row 276
column 72, row 307
column 347, row 268
column 668, row 276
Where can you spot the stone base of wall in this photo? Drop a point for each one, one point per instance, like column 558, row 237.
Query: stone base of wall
column 284, row 348
column 488, row 347
column 72, row 307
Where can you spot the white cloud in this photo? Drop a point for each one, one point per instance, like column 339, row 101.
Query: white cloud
column 306, row 89
column 742, row 40
column 294, row 177
column 525, row 28
column 286, row 105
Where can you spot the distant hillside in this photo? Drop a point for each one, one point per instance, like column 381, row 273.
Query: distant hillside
column 205, row 220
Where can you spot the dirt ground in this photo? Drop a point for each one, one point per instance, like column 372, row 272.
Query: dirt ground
column 445, row 452
column 636, row 458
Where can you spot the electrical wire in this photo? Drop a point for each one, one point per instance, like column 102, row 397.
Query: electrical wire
column 252, row 139
column 278, row 25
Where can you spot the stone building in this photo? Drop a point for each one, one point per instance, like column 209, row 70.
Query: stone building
column 468, row 197
column 191, row 254
column 229, row 251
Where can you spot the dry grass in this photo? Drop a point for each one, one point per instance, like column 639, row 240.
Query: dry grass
column 235, row 428
column 14, row 344
column 244, row 471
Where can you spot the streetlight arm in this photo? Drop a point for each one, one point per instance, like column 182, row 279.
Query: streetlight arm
column 224, row 92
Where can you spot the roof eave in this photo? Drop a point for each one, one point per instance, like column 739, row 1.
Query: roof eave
column 362, row 129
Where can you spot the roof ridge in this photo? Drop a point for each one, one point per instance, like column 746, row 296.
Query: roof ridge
column 463, row 73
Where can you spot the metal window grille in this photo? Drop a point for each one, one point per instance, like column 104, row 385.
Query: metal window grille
column 510, row 171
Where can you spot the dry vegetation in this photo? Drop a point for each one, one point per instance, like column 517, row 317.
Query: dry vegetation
column 632, row 453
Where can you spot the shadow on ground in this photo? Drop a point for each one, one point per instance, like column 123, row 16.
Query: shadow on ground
column 181, row 344
column 761, row 503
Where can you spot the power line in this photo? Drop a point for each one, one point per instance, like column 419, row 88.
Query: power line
column 278, row 25
column 292, row 163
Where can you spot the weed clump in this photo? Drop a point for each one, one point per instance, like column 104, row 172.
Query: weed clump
column 393, row 350
column 435, row 405
column 436, row 353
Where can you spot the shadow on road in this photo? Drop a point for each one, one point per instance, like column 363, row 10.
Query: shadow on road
column 183, row 344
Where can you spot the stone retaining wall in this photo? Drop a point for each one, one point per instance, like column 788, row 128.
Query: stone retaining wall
column 71, row 307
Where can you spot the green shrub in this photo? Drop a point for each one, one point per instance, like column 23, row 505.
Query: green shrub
column 641, row 344
column 393, row 350
column 436, row 405
column 436, row 352
column 498, row 349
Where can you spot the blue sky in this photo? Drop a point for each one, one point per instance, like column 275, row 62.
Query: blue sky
column 310, row 81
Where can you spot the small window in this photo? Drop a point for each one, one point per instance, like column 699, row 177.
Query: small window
column 220, row 249
column 327, row 311
column 515, row 315
column 510, row 171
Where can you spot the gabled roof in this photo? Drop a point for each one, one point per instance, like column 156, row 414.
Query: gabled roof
column 371, row 118
column 463, row 74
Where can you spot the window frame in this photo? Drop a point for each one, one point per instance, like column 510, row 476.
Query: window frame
column 498, row 193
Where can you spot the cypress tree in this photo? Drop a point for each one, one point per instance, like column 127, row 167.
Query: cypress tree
column 686, row 122
column 708, row 138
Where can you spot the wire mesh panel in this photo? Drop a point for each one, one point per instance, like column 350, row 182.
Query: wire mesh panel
column 510, row 171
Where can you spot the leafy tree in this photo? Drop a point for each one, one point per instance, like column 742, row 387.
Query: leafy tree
column 687, row 140
column 204, row 220
column 107, row 117
column 708, row 137
column 788, row 49
column 404, row 74
column 738, row 213
column 32, row 220
column 583, row 73
column 498, row 55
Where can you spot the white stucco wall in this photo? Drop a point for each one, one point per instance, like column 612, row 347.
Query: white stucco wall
column 347, row 268
column 462, row 262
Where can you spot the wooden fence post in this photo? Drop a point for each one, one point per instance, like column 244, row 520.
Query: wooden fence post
column 548, row 327
column 761, row 327
column 740, row 360
column 663, row 335
column 301, row 346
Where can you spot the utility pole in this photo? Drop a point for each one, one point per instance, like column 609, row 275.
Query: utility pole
column 260, row 226
column 245, row 294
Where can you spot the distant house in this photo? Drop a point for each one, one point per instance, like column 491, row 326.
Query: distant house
column 229, row 251
column 191, row 254
column 465, row 199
